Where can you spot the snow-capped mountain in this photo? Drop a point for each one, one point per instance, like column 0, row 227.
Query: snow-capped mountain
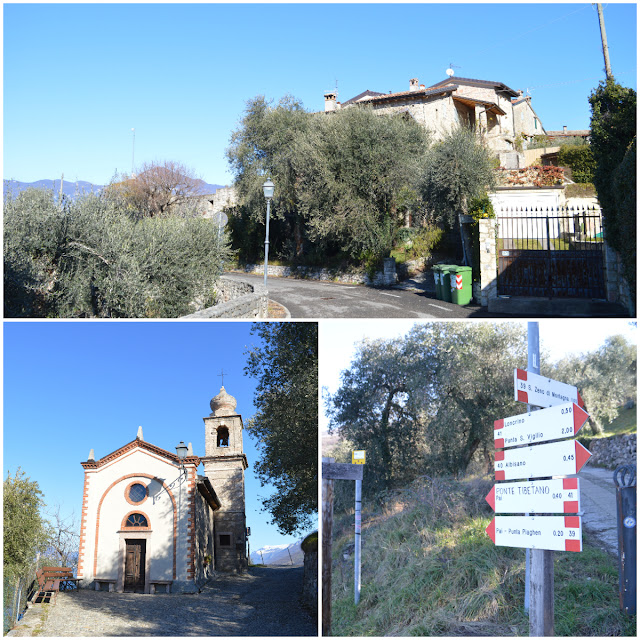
column 284, row 555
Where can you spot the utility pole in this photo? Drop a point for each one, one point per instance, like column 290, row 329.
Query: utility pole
column 133, row 153
column 605, row 48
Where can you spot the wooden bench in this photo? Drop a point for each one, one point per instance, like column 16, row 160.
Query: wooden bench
column 166, row 583
column 109, row 581
column 63, row 576
column 49, row 580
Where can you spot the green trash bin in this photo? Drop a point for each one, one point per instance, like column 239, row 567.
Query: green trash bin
column 437, row 276
column 445, row 270
column 461, row 288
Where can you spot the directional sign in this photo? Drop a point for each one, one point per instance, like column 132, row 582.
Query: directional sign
column 561, row 421
column 341, row 471
column 554, row 533
column 564, row 458
column 532, row 388
column 561, row 495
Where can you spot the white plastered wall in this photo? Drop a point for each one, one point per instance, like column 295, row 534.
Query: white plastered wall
column 107, row 507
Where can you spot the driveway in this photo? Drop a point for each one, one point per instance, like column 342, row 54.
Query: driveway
column 316, row 299
column 263, row 602
column 598, row 495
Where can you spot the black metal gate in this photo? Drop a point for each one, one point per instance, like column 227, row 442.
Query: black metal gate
column 551, row 252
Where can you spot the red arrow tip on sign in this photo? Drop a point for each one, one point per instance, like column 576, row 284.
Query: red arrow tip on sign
column 580, row 416
column 491, row 498
column 491, row 530
column 582, row 455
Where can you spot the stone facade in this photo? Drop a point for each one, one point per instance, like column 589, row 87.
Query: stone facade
column 488, row 261
column 613, row 451
column 225, row 464
column 498, row 111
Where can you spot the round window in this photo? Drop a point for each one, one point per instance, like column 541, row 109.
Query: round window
column 137, row 492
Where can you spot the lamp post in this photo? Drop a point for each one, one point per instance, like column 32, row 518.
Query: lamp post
column 268, row 188
column 181, row 452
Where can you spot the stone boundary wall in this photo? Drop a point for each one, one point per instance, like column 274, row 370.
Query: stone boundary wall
column 614, row 451
column 310, row 574
column 488, row 261
column 383, row 278
column 238, row 299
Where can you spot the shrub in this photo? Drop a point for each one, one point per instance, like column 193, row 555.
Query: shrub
column 87, row 258
column 580, row 160
column 481, row 208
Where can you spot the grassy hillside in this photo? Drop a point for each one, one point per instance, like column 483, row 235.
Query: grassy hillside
column 428, row 568
column 626, row 422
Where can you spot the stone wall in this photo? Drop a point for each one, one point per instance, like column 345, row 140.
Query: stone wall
column 236, row 299
column 488, row 263
column 310, row 572
column 617, row 287
column 386, row 277
column 613, row 451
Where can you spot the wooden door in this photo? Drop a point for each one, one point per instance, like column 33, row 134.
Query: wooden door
column 134, row 565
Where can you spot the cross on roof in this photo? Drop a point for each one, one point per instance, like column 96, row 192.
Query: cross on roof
column 221, row 375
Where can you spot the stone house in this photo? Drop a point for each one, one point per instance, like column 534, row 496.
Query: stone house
column 151, row 521
column 500, row 112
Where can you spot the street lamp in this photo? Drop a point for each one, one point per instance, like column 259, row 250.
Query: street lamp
column 181, row 452
column 268, row 188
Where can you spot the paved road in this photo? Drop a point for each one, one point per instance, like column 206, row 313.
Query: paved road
column 264, row 602
column 413, row 298
column 598, row 495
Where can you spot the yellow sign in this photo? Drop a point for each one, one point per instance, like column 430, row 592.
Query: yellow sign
column 357, row 457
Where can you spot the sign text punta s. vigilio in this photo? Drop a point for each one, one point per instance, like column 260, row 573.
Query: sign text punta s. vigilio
column 563, row 417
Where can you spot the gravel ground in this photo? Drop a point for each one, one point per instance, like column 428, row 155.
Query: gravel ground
column 264, row 602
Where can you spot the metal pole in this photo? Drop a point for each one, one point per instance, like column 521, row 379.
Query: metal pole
column 266, row 243
column 605, row 48
column 541, row 572
column 356, row 572
column 133, row 152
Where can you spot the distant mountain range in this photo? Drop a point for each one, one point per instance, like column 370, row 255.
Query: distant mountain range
column 279, row 555
column 71, row 189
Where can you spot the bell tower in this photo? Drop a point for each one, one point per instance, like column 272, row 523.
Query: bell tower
column 224, row 465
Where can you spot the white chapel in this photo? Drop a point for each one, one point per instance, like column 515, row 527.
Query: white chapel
column 151, row 522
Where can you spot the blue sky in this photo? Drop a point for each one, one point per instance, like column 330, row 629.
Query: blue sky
column 79, row 77
column 74, row 386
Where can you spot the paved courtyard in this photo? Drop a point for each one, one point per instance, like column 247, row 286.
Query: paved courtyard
column 265, row 602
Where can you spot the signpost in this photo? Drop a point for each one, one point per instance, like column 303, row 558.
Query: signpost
column 563, row 458
column 561, row 421
column 532, row 388
column 338, row 471
column 553, row 533
column 562, row 416
column 561, row 495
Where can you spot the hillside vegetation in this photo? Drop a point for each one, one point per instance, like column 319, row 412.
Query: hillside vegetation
column 428, row 568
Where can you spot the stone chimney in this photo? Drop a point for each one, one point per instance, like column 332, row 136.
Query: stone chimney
column 413, row 84
column 564, row 128
column 330, row 103
column 422, row 87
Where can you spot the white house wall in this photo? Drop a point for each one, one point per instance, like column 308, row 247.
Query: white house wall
column 106, row 507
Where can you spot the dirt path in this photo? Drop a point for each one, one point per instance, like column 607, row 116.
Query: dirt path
column 265, row 602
